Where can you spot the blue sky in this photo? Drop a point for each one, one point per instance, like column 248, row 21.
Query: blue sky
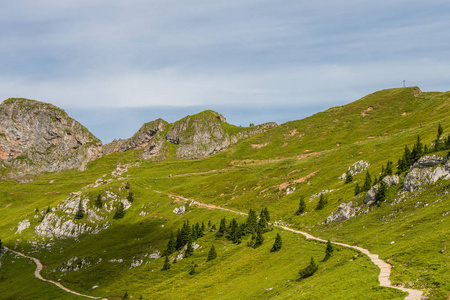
column 114, row 65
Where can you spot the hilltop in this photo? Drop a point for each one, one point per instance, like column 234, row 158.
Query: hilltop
column 106, row 231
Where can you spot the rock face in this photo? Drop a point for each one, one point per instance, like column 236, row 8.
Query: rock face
column 146, row 137
column 37, row 137
column 427, row 170
column 371, row 194
column 343, row 212
column 194, row 136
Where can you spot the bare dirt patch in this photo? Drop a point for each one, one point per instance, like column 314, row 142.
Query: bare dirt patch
column 258, row 146
column 364, row 113
column 404, row 113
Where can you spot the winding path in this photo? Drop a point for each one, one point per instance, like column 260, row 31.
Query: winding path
column 38, row 275
column 385, row 268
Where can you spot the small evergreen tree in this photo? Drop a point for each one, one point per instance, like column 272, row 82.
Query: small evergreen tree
column 166, row 265
column 328, row 251
column 127, row 185
column 120, row 212
column 309, row 270
column 252, row 221
column 357, row 189
column 348, row 177
column 437, row 145
column 222, row 228
column 189, row 250
column 171, row 245
column 380, row 195
column 259, row 238
column 213, row 228
column 80, row 212
column 209, row 223
column 388, row 170
column 1, row 246
column 130, row 197
column 277, row 244
column 367, row 182
column 212, row 253
column 98, row 201
column 193, row 270
column 301, row 206
column 125, row 296
column 322, row 202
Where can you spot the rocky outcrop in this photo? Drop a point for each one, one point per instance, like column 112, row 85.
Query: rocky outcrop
column 143, row 138
column 356, row 168
column 343, row 212
column 427, row 170
column 195, row 136
column 391, row 180
column 371, row 194
column 37, row 137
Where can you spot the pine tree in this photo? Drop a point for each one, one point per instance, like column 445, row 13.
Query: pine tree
column 171, row 245
column 80, row 212
column 266, row 214
column 357, row 189
column 263, row 220
column 98, row 201
column 213, row 228
column 328, row 251
column 277, row 244
column 301, row 206
column 309, row 270
column 166, row 265
column 120, row 212
column 322, row 202
column 348, row 177
column 193, row 270
column 252, row 221
column 380, row 195
column 189, row 250
column 367, row 182
column 417, row 150
column 437, row 145
column 130, row 197
column 209, row 223
column 259, row 238
column 389, row 169
column 222, row 228
column 212, row 253
column 1, row 245
column 125, row 296
column 127, row 185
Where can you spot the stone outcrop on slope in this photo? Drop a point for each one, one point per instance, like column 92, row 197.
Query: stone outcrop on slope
column 427, row 170
column 343, row 212
column 37, row 137
column 195, row 136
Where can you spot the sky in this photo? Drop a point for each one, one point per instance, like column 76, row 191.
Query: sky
column 113, row 65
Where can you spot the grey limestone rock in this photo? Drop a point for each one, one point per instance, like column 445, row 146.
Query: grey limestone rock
column 36, row 137
column 343, row 212
column 371, row 194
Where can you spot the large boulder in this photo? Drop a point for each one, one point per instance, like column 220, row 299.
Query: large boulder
column 371, row 195
column 343, row 212
column 419, row 177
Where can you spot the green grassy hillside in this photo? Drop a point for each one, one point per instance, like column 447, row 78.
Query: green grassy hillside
column 274, row 169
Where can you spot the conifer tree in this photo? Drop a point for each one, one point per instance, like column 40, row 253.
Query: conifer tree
column 98, row 201
column 212, row 253
column 417, row 150
column 259, row 237
column 125, row 296
column 120, row 212
column 130, row 197
column 357, row 189
column 127, row 185
column 437, row 145
column 171, row 245
column 328, row 251
column 348, row 177
column 209, row 223
column 166, row 265
column 367, row 182
column 213, row 227
column 1, row 245
column 252, row 221
column 179, row 243
column 189, row 250
column 322, row 202
column 222, row 228
column 309, row 270
column 380, row 195
column 80, row 212
column 301, row 206
column 266, row 214
column 193, row 270
column 277, row 244
column 203, row 227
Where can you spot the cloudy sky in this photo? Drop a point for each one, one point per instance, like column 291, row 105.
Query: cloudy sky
column 114, row 65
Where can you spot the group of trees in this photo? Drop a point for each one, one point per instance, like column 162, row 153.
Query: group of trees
column 323, row 200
